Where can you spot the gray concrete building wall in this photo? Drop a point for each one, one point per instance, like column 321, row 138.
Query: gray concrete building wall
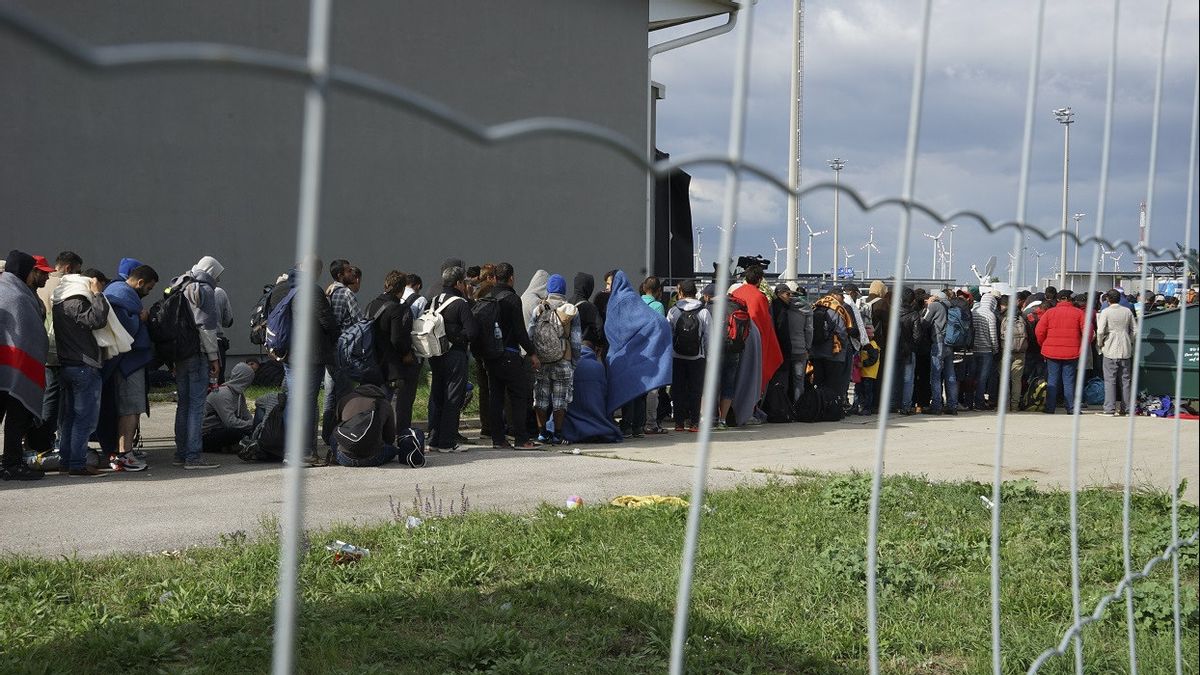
column 169, row 166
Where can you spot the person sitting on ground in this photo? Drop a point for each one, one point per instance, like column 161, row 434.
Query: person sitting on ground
column 366, row 431
column 227, row 419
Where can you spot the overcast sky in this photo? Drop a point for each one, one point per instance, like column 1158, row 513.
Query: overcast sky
column 859, row 57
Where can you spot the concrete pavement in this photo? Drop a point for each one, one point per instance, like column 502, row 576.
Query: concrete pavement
column 169, row 508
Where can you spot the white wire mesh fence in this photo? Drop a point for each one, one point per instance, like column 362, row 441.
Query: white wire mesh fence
column 321, row 76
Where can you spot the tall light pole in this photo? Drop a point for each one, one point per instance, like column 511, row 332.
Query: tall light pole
column 811, row 235
column 950, row 254
column 1077, row 217
column 1064, row 115
column 837, row 164
column 937, row 240
column 791, row 266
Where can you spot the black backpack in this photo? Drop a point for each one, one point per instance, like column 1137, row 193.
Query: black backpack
column 490, row 344
column 685, row 336
column 821, row 329
column 266, row 442
column 818, row 404
column 777, row 403
column 172, row 325
column 258, row 318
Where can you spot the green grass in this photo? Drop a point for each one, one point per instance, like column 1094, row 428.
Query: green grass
column 420, row 405
column 779, row 588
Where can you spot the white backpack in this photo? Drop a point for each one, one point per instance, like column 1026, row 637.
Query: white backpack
column 429, row 329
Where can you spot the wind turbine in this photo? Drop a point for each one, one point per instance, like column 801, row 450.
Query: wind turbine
column 1117, row 262
column 778, row 248
column 937, row 241
column 846, row 256
column 1104, row 253
column 1012, row 261
column 1037, row 266
column 869, row 246
column 811, row 235
column 906, row 270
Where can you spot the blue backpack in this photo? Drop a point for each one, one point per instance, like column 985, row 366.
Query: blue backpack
column 279, row 327
column 960, row 331
column 356, row 346
column 1093, row 391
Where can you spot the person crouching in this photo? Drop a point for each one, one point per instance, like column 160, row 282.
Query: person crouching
column 366, row 433
column 227, row 419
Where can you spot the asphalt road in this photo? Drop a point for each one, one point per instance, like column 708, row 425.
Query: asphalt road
column 168, row 508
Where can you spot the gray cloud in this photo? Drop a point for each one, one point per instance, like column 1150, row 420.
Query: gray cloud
column 858, row 69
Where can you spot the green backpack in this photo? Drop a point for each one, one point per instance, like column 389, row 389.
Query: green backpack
column 1034, row 398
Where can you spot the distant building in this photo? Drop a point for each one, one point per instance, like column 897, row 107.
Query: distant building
column 169, row 165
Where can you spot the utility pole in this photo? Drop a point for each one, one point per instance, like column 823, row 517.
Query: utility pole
column 791, row 264
column 837, row 164
column 1064, row 115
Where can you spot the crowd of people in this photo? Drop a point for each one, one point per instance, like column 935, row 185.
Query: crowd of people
column 547, row 367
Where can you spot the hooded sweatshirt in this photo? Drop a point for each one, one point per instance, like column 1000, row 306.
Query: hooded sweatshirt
column 225, row 407
column 534, row 294
column 705, row 317
column 203, row 300
column 986, row 325
column 127, row 306
column 590, row 324
column 126, row 266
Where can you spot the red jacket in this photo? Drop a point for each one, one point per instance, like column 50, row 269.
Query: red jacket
column 1059, row 330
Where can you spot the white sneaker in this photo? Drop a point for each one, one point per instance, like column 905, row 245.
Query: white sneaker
column 127, row 462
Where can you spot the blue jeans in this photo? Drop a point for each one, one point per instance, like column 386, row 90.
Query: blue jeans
column 191, row 385
column 906, row 390
column 309, row 409
column 1060, row 374
column 982, row 364
column 79, row 387
column 941, row 367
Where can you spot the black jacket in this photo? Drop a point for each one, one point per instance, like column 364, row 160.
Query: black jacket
column 590, row 323
column 911, row 332
column 74, row 320
column 393, row 335
column 327, row 325
column 512, row 321
column 461, row 326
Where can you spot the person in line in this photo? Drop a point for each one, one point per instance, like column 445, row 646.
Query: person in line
column 655, row 400
column 129, row 369
column 690, row 322
column 639, row 355
column 943, row 380
column 324, row 338
column 987, row 344
column 79, row 309
column 346, row 313
column 486, row 279
column 1020, row 347
column 830, row 345
column 760, row 313
column 23, row 348
column 46, row 435
column 194, row 373
column 507, row 376
column 1115, row 333
column 448, row 389
column 553, row 388
column 590, row 324
column 1059, row 332
column 800, row 339
column 393, row 345
column 227, row 418
column 906, row 348
column 420, row 302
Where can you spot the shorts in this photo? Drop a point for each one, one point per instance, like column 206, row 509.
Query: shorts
column 131, row 393
column 554, row 387
column 729, row 373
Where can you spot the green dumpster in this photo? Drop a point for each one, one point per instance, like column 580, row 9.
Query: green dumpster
column 1160, row 345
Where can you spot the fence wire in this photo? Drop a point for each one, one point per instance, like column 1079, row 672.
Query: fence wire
column 322, row 77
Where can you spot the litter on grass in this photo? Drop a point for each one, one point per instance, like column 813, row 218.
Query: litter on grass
column 634, row 501
column 346, row 553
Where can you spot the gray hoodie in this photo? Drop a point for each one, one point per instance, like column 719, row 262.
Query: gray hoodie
column 203, row 299
column 225, row 408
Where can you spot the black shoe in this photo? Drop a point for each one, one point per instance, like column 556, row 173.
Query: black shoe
column 20, row 472
column 950, row 411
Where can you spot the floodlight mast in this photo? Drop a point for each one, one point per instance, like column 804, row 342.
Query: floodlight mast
column 837, row 164
column 1064, row 117
column 791, row 262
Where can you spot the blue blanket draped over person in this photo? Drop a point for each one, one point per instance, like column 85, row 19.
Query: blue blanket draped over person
column 587, row 419
column 749, row 380
column 639, row 345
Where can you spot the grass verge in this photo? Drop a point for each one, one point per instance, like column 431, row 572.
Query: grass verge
column 779, row 588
